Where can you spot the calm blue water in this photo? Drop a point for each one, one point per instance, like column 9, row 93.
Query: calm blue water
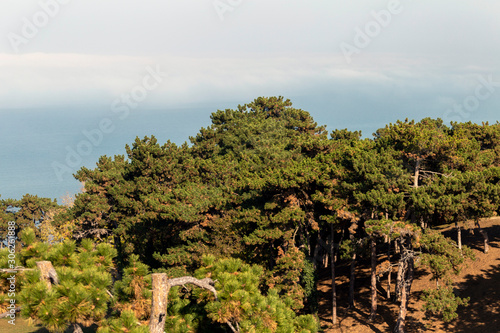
column 32, row 141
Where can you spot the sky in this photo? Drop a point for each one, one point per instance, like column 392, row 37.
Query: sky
column 419, row 60
column 352, row 64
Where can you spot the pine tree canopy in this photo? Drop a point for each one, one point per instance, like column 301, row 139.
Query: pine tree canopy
column 261, row 201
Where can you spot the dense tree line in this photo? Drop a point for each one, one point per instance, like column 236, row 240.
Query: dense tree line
column 262, row 200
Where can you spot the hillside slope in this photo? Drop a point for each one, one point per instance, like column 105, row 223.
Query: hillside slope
column 479, row 280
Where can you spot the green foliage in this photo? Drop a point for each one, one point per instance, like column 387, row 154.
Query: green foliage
column 244, row 189
column 443, row 256
column 6, row 285
column 459, row 197
column 484, row 143
column 377, row 228
column 30, row 211
column 6, row 216
column 240, row 303
column 28, row 236
column 84, row 277
column 443, row 302
column 345, row 135
column 380, row 181
column 309, row 279
column 127, row 322
column 260, row 185
column 286, row 277
column 186, row 313
column 133, row 291
column 424, row 141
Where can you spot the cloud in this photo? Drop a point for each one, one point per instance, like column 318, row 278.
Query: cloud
column 41, row 79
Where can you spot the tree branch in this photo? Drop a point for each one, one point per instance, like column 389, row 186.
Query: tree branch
column 436, row 173
column 5, row 314
column 157, row 315
column 206, row 283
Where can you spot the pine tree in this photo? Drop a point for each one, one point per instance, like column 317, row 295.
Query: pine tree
column 240, row 302
column 127, row 322
column 80, row 297
column 243, row 189
column 30, row 211
column 6, row 216
column 420, row 144
column 408, row 236
column 133, row 291
column 443, row 260
column 379, row 185
column 264, row 184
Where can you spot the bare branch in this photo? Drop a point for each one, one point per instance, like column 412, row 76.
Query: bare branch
column 206, row 283
column 436, row 173
column 3, row 315
column 235, row 330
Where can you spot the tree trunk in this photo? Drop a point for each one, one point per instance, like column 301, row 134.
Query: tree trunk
column 423, row 224
column 410, row 275
column 399, row 277
column 407, row 269
column 417, row 173
column 161, row 288
column 318, row 256
column 373, row 250
column 352, row 279
column 326, row 258
column 308, row 240
column 334, row 291
column 389, row 282
column 47, row 273
column 76, row 328
column 459, row 236
column 400, row 323
column 389, row 273
column 120, row 261
column 485, row 237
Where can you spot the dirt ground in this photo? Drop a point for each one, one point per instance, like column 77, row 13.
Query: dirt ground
column 479, row 280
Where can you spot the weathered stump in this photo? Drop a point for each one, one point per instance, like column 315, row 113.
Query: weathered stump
column 161, row 288
column 47, row 273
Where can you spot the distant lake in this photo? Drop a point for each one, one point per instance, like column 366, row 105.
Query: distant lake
column 32, row 140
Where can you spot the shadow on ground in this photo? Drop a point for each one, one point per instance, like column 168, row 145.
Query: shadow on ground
column 483, row 313
column 473, row 239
